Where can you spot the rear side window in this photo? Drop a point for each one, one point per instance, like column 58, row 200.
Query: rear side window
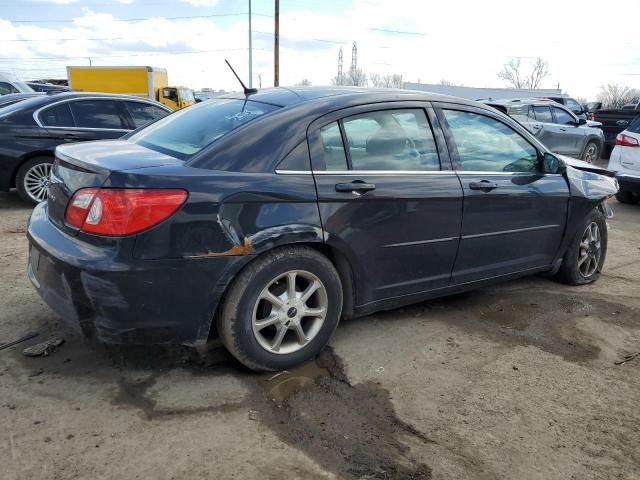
column 188, row 131
column 391, row 140
column 6, row 88
column 486, row 145
column 332, row 147
column 543, row 113
column 57, row 116
column 97, row 114
column 521, row 111
column 562, row 117
column 144, row 113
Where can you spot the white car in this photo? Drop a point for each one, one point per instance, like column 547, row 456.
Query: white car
column 625, row 162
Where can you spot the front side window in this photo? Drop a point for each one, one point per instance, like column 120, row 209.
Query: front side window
column 57, row 116
column 391, row 140
column 186, row 132
column 143, row 113
column 543, row 113
column 563, row 117
column 487, row 145
column 97, row 114
column 574, row 106
column 6, row 88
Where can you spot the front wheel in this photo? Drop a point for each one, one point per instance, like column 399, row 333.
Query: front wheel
column 591, row 153
column 583, row 260
column 624, row 196
column 282, row 309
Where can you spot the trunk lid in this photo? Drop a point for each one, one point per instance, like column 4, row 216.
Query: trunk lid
column 89, row 164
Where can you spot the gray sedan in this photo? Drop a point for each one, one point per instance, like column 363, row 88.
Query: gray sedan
column 557, row 127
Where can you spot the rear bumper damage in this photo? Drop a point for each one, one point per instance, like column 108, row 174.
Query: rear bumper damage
column 628, row 183
column 138, row 301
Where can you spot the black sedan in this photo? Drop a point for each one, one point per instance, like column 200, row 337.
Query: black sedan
column 265, row 218
column 31, row 129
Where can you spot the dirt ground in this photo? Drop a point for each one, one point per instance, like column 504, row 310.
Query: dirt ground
column 516, row 381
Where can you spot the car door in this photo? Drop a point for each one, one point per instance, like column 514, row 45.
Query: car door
column 513, row 215
column 571, row 137
column 387, row 197
column 545, row 129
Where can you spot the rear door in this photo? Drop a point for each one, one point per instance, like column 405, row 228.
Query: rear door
column 388, row 197
column 514, row 216
column 570, row 136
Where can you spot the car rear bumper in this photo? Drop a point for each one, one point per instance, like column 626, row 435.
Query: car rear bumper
column 628, row 183
column 139, row 301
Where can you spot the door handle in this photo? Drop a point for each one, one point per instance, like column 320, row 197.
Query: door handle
column 357, row 186
column 536, row 127
column 563, row 129
column 484, row 185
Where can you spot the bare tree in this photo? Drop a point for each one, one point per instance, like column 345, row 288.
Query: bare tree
column 447, row 83
column 386, row 81
column 305, row 82
column 617, row 96
column 512, row 73
column 354, row 78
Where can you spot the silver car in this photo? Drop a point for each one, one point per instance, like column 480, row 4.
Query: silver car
column 556, row 126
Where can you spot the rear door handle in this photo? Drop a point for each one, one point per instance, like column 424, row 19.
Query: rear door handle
column 484, row 185
column 357, row 186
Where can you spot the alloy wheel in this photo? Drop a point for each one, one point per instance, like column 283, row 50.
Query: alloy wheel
column 36, row 181
column 289, row 312
column 590, row 250
column 591, row 153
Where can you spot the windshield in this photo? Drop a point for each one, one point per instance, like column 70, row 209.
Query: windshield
column 186, row 132
column 187, row 95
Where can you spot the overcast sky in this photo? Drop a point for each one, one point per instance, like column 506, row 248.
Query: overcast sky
column 586, row 42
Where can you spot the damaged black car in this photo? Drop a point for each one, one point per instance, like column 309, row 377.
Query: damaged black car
column 265, row 218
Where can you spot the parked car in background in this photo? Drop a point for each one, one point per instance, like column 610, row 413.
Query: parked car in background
column 266, row 218
column 625, row 162
column 32, row 128
column 555, row 126
column 10, row 84
column 614, row 121
column 571, row 104
column 17, row 97
column 48, row 87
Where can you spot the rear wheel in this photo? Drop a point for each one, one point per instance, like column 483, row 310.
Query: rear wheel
column 32, row 180
column 583, row 260
column 624, row 196
column 591, row 153
column 282, row 309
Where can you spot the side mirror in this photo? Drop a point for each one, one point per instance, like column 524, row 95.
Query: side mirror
column 552, row 164
column 581, row 121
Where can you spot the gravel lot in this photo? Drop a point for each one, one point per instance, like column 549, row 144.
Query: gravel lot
column 516, row 381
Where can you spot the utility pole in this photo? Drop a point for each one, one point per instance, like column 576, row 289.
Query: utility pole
column 259, row 80
column 250, row 51
column 276, row 46
column 90, row 62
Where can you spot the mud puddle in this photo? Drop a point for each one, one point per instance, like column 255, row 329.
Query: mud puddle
column 350, row 430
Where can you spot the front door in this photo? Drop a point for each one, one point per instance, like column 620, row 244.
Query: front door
column 570, row 134
column 384, row 198
column 513, row 215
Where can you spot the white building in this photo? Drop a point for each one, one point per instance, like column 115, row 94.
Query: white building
column 472, row 93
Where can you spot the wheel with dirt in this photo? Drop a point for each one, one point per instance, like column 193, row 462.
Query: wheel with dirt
column 32, row 179
column 282, row 309
column 591, row 152
column 583, row 260
column 623, row 196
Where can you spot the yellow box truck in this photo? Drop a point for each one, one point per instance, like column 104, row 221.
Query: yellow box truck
column 147, row 82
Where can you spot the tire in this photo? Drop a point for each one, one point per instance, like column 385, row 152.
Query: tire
column 591, row 152
column 246, row 309
column 572, row 271
column 624, row 196
column 27, row 177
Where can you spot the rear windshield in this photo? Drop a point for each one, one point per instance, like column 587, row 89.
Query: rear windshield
column 186, row 132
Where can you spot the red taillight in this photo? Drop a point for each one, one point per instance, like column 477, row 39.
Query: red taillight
column 591, row 116
column 626, row 141
column 115, row 212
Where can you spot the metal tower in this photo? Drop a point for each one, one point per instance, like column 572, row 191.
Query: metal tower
column 354, row 57
column 340, row 63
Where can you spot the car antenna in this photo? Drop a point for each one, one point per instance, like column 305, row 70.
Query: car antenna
column 247, row 91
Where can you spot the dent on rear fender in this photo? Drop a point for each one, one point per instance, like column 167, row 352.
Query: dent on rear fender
column 589, row 185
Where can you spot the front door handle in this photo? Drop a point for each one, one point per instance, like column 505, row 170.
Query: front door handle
column 484, row 185
column 357, row 186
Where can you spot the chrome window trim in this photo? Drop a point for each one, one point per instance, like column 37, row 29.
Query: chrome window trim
column 124, row 98
column 293, row 172
column 409, row 172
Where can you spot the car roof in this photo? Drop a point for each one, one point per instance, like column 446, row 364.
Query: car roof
column 290, row 96
column 524, row 101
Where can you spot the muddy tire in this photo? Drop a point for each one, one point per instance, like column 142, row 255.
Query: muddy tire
column 624, row 196
column 32, row 179
column 282, row 309
column 591, row 152
column 583, row 260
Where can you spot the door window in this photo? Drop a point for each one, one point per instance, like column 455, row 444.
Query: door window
column 562, row 117
column 391, row 140
column 574, row 106
column 97, row 114
column 487, row 145
column 57, row 116
column 6, row 88
column 143, row 113
column 332, row 147
column 543, row 114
